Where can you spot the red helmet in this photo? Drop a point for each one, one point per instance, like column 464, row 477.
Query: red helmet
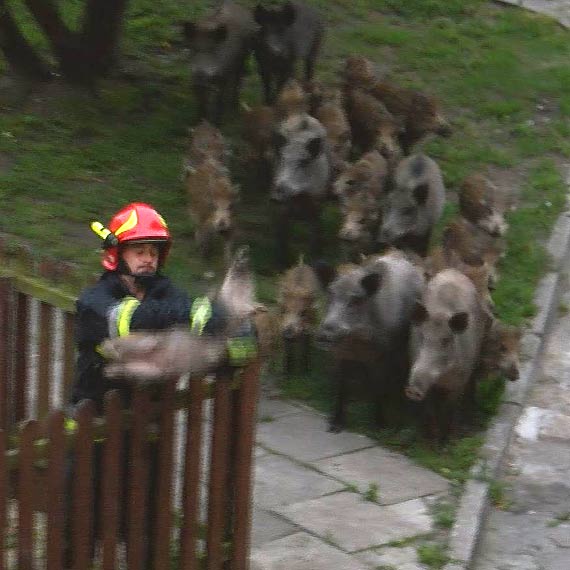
column 137, row 222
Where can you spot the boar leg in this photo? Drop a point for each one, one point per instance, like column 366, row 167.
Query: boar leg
column 306, row 353
column 288, row 357
column 282, row 223
column 338, row 420
column 311, row 59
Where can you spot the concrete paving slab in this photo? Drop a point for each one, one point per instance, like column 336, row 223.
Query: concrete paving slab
column 302, row 551
column 267, row 527
column 276, row 408
column 353, row 524
column 405, row 557
column 396, row 477
column 280, row 481
column 304, row 437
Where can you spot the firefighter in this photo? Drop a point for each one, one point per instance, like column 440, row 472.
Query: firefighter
column 133, row 294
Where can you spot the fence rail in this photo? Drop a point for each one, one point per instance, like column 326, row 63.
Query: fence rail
column 165, row 442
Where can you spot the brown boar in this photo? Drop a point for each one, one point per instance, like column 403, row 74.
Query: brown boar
column 358, row 72
column 372, row 125
column 500, row 352
column 211, row 197
column 331, row 114
column 258, row 124
column 206, row 141
column 418, row 113
column 447, row 334
column 368, row 175
column 297, row 299
column 291, row 100
column 480, row 203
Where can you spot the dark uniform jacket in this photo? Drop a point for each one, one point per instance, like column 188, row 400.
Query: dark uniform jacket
column 108, row 309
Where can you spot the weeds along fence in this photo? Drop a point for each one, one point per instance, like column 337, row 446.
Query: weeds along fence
column 194, row 441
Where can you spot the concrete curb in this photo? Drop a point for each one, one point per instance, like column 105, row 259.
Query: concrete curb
column 474, row 501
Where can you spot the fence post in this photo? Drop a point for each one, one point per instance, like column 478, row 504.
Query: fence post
column 45, row 360
column 244, row 430
column 3, row 496
column 21, row 350
column 5, row 348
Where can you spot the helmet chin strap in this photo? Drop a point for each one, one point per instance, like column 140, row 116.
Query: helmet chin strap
column 143, row 280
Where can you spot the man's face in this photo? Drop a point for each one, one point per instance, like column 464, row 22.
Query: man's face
column 141, row 258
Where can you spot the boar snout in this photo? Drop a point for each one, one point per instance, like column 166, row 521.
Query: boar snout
column 329, row 333
column 290, row 332
column 444, row 129
column 414, row 393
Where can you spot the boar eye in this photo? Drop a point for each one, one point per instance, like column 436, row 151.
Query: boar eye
column 446, row 342
column 502, row 349
column 408, row 211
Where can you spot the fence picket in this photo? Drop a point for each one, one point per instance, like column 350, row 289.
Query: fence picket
column 83, row 499
column 111, row 493
column 68, row 354
column 21, row 351
column 56, row 490
column 45, row 363
column 217, row 516
column 5, row 349
column 192, row 465
column 138, row 479
column 3, row 497
column 26, row 488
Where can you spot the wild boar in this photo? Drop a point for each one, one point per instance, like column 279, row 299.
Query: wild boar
column 211, row 198
column 418, row 112
column 297, row 300
column 288, row 33
column 413, row 204
column 480, row 203
column 154, row 357
column 358, row 72
column 449, row 325
column 219, row 43
column 332, row 116
column 366, row 326
column 367, row 175
column 258, row 124
column 291, row 100
column 371, row 123
column 500, row 351
column 301, row 178
column 206, row 141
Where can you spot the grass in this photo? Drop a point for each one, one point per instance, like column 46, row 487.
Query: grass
column 432, row 555
column 502, row 75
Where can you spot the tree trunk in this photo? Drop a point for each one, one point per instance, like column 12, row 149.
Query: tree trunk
column 101, row 32
column 21, row 57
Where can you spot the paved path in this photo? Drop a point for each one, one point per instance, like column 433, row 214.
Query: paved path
column 533, row 531
column 557, row 9
column 310, row 512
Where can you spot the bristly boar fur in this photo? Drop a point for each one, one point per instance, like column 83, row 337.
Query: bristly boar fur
column 481, row 204
column 291, row 100
column 500, row 352
column 206, row 141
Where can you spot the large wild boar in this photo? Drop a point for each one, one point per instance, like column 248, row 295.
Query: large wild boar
column 211, row 198
column 220, row 43
column 300, row 180
column 288, row 33
column 366, row 328
column 447, row 334
column 150, row 357
column 413, row 204
column 297, row 299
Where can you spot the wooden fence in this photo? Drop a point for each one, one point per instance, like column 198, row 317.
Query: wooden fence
column 210, row 422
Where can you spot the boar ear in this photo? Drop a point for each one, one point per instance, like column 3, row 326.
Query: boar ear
column 260, row 14
column 370, row 283
column 421, row 193
column 314, row 147
column 458, row 322
column 325, row 272
column 189, row 30
column 289, row 15
column 419, row 313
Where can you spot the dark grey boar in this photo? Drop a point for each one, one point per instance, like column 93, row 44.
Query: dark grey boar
column 447, row 334
column 413, row 205
column 297, row 299
column 366, row 328
column 301, row 178
column 220, row 43
column 288, row 33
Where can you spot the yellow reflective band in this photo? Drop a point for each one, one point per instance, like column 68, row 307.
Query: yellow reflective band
column 162, row 220
column 241, row 350
column 200, row 314
column 124, row 314
column 70, row 425
column 131, row 222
